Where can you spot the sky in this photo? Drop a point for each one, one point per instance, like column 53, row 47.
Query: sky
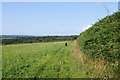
column 52, row 18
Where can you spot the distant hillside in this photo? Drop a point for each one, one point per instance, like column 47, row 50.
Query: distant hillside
column 102, row 39
column 14, row 36
column 17, row 39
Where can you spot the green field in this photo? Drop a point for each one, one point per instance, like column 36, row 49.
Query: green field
column 41, row 60
column 0, row 62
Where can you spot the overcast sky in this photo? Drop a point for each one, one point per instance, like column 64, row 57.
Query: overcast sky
column 52, row 18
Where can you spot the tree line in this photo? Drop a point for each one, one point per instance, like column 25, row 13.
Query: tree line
column 34, row 39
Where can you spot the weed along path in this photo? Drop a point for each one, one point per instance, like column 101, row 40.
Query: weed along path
column 76, row 52
column 91, row 68
column 81, row 60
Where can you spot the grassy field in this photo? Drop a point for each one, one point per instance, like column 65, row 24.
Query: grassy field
column 42, row 60
column 0, row 61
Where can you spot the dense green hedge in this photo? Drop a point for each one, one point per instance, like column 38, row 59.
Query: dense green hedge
column 102, row 40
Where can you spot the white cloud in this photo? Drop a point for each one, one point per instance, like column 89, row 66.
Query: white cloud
column 86, row 27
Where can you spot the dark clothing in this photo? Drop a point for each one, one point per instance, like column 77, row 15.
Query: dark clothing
column 65, row 44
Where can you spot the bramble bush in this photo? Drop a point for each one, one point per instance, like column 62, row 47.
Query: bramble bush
column 102, row 39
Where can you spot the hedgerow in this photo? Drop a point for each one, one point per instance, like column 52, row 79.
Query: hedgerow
column 101, row 41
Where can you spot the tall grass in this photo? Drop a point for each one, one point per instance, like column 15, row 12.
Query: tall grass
column 41, row 60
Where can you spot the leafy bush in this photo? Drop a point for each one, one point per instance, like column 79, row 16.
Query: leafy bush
column 102, row 39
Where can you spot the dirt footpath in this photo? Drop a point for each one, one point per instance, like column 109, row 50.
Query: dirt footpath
column 76, row 52
column 97, row 68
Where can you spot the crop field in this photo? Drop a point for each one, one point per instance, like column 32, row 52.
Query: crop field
column 41, row 60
